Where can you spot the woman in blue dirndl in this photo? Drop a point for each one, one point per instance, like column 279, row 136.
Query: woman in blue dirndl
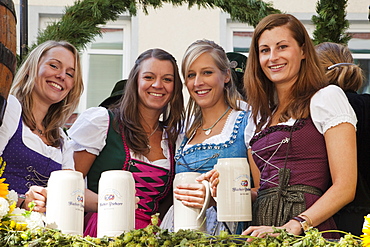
column 216, row 121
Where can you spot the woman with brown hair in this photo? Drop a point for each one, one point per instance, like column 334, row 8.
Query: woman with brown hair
column 137, row 134
column 302, row 132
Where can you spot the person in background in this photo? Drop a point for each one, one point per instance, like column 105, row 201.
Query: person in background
column 302, row 133
column 45, row 92
column 238, row 62
column 340, row 69
column 216, row 120
column 137, row 134
column 115, row 95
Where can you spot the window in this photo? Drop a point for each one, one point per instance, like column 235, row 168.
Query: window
column 105, row 61
column 242, row 41
column 360, row 47
column 240, row 37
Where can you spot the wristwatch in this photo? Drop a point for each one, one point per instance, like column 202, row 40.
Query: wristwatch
column 304, row 224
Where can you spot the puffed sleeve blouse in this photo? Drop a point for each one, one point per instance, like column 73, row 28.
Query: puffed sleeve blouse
column 63, row 155
column 329, row 107
column 89, row 132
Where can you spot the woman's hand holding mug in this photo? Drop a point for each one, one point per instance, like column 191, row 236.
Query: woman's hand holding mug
column 191, row 195
column 213, row 178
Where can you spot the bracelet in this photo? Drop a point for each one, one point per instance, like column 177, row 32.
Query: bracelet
column 20, row 206
column 304, row 224
column 309, row 219
column 22, row 196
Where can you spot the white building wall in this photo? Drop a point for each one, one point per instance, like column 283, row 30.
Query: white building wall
column 174, row 28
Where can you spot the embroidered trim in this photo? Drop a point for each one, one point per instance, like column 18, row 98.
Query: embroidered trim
column 286, row 128
column 204, row 146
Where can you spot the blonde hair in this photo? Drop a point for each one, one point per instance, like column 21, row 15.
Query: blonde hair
column 58, row 113
column 337, row 61
column 231, row 94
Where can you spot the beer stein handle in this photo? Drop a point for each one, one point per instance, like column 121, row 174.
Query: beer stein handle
column 206, row 200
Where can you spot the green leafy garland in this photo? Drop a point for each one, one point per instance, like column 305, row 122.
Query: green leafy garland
column 331, row 22
column 79, row 24
column 153, row 236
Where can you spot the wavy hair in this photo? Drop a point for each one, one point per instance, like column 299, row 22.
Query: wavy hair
column 231, row 94
column 127, row 113
column 348, row 76
column 58, row 113
column 261, row 92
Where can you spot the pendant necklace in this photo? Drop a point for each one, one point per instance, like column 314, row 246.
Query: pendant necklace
column 208, row 130
column 156, row 128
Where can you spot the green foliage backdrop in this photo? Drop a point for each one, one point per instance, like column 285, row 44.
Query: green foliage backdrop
column 331, row 22
column 79, row 24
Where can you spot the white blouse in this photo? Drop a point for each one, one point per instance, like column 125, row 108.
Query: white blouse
column 32, row 141
column 89, row 132
column 329, row 107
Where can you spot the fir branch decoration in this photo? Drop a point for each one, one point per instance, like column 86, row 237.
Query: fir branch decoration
column 246, row 11
column 331, row 22
column 79, row 24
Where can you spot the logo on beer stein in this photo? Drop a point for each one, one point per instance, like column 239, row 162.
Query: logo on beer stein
column 109, row 197
column 80, row 199
column 244, row 183
column 77, row 199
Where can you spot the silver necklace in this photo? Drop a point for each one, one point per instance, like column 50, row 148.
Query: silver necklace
column 156, row 128
column 209, row 130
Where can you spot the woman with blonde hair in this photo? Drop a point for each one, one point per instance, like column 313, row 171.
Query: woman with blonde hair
column 46, row 91
column 340, row 69
column 216, row 120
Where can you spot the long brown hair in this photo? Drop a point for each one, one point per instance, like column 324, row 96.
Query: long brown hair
column 58, row 113
column 261, row 93
column 231, row 94
column 348, row 76
column 127, row 114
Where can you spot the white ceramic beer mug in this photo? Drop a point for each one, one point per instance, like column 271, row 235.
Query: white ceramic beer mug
column 187, row 217
column 234, row 199
column 116, row 203
column 65, row 202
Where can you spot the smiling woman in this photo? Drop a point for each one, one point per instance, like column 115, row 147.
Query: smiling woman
column 215, row 126
column 301, row 132
column 55, row 77
column 137, row 134
column 46, row 91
